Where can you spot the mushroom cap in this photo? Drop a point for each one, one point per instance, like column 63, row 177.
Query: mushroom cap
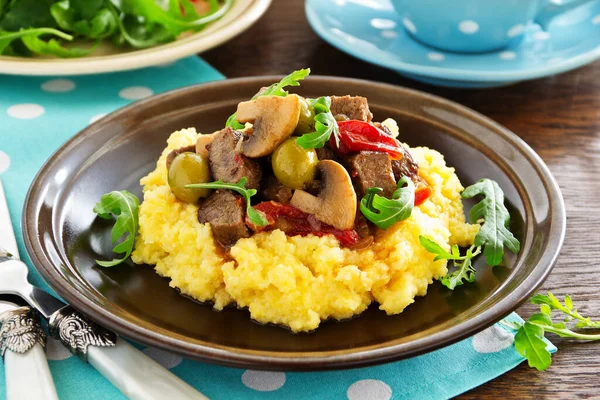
column 336, row 204
column 203, row 141
column 274, row 119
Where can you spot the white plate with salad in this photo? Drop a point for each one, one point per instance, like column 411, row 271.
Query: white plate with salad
column 78, row 37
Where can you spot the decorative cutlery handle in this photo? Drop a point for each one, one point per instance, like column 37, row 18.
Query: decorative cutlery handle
column 130, row 370
column 22, row 343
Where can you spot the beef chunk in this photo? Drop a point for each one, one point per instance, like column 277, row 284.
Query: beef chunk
column 176, row 152
column 274, row 190
column 226, row 213
column 406, row 166
column 354, row 107
column 372, row 169
column 325, row 153
column 227, row 164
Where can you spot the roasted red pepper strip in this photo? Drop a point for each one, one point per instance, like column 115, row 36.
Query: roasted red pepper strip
column 422, row 193
column 357, row 136
column 295, row 222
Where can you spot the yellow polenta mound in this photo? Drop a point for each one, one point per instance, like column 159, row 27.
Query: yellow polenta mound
column 300, row 281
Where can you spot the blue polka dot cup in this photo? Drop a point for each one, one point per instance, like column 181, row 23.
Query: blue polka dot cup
column 473, row 26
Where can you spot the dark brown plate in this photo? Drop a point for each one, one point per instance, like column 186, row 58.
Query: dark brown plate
column 63, row 236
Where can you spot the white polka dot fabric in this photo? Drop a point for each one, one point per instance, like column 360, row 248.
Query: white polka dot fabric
column 38, row 114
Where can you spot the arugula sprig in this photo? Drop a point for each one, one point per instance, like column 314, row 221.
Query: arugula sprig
column 529, row 340
column 255, row 216
column 325, row 125
column 493, row 234
column 464, row 266
column 276, row 89
column 384, row 212
column 124, row 205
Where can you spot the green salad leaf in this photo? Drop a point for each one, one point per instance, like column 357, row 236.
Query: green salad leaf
column 136, row 23
column 529, row 340
column 276, row 89
column 52, row 47
column 124, row 205
column 92, row 19
column 325, row 125
column 384, row 212
column 6, row 38
column 25, row 14
column 255, row 216
column 494, row 233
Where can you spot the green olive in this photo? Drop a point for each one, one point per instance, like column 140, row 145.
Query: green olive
column 294, row 166
column 187, row 168
column 306, row 122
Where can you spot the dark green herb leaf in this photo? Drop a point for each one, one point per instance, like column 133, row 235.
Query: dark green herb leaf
column 276, row 89
column 124, row 205
column 84, row 18
column 385, row 212
column 325, row 126
column 25, row 14
column 493, row 235
column 256, row 217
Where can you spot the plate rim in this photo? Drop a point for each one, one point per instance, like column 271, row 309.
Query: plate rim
column 451, row 73
column 322, row 360
column 136, row 59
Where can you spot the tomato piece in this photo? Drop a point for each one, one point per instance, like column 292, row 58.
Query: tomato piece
column 295, row 222
column 356, row 136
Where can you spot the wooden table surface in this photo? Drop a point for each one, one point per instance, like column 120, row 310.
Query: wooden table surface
column 558, row 116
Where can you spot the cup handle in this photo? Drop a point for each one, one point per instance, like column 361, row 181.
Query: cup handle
column 551, row 11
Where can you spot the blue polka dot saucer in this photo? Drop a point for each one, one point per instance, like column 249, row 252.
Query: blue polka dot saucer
column 372, row 31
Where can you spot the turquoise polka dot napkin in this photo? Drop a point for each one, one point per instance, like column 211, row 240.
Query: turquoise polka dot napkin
column 38, row 114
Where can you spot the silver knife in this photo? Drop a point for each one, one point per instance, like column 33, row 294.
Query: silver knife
column 130, row 370
column 22, row 339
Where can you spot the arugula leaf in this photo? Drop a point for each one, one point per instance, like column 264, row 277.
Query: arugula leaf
column 464, row 272
column 25, row 14
column 552, row 303
column 7, row 37
column 493, row 235
column 255, row 216
column 137, row 33
column 325, row 126
column 463, row 264
column 171, row 18
column 385, row 212
column 276, row 89
column 53, row 47
column 124, row 205
column 441, row 253
column 530, row 334
column 86, row 18
column 529, row 342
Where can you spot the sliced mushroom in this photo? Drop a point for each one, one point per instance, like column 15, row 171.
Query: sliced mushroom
column 336, row 203
column 274, row 118
column 202, row 142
